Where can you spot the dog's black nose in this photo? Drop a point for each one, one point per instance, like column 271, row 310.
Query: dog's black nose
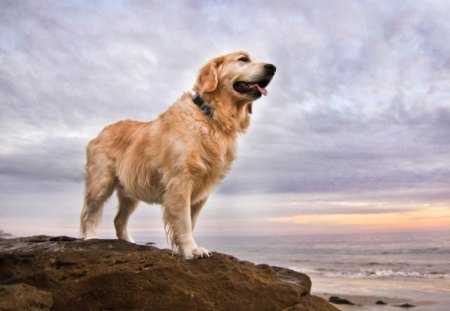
column 270, row 68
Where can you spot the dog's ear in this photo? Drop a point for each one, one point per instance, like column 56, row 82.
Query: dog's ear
column 208, row 78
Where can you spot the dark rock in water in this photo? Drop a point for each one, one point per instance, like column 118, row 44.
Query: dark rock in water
column 340, row 301
column 62, row 273
column 380, row 302
column 405, row 305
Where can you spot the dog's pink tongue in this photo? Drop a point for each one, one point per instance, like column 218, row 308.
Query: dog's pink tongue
column 260, row 89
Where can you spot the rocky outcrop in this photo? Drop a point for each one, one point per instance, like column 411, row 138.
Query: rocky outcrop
column 62, row 273
column 24, row 297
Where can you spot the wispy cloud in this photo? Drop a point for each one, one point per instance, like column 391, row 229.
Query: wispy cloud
column 360, row 106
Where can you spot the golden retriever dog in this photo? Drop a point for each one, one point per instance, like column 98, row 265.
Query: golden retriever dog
column 177, row 159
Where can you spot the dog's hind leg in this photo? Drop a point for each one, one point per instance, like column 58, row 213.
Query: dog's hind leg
column 99, row 185
column 127, row 205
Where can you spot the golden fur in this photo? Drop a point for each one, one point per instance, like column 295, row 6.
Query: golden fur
column 177, row 159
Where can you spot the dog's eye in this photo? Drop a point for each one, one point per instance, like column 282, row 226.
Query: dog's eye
column 244, row 59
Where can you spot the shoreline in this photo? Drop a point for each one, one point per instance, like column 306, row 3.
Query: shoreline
column 369, row 302
column 423, row 294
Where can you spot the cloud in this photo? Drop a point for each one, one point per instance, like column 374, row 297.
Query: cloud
column 360, row 103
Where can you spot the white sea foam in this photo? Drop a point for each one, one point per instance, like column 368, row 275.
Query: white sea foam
column 385, row 273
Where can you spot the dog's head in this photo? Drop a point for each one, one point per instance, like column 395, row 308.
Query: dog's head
column 237, row 75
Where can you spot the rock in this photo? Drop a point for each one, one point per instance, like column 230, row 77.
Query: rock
column 380, row 302
column 24, row 297
column 69, row 274
column 406, row 306
column 340, row 301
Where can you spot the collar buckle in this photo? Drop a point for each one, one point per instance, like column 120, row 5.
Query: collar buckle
column 198, row 101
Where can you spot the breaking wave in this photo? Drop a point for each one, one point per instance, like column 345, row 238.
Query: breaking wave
column 385, row 273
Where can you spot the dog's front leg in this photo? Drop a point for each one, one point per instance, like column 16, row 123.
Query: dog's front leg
column 178, row 224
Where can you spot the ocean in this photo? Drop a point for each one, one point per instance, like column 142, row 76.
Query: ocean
column 414, row 266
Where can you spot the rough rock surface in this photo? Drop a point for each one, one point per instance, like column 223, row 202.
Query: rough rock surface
column 62, row 273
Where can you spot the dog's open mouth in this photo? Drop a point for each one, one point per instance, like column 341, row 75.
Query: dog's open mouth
column 253, row 88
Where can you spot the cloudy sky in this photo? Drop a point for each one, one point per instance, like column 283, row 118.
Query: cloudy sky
column 354, row 135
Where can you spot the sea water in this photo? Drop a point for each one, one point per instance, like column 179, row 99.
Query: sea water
column 409, row 265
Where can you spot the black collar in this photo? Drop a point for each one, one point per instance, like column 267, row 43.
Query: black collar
column 198, row 101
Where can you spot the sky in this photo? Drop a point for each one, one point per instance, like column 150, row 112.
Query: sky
column 354, row 135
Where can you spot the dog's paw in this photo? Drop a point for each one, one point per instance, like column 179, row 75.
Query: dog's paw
column 197, row 252
column 126, row 237
column 89, row 237
column 201, row 252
